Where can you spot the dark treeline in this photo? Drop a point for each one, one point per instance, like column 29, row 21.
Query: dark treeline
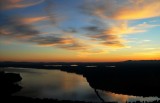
column 81, row 64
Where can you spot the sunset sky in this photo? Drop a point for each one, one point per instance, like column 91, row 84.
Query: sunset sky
column 79, row 30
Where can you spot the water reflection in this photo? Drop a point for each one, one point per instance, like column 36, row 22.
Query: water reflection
column 91, row 66
column 74, row 65
column 68, row 86
column 54, row 84
column 123, row 98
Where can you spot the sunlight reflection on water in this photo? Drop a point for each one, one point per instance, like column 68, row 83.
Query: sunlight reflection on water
column 91, row 66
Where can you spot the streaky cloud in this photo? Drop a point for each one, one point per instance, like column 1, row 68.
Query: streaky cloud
column 69, row 43
column 11, row 27
column 29, row 20
column 13, row 4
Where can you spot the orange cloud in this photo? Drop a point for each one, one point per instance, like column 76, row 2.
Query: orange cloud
column 112, row 36
column 138, row 10
column 126, row 9
column 114, row 43
column 11, row 4
column 123, row 28
column 116, row 13
column 74, row 44
column 34, row 19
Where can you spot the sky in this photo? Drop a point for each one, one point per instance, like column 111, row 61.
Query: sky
column 79, row 30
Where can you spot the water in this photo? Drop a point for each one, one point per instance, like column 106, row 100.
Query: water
column 61, row 85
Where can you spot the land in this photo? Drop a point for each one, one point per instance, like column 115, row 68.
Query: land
column 139, row 78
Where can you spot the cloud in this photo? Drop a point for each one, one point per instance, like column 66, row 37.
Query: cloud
column 69, row 43
column 16, row 30
column 28, row 20
column 123, row 9
column 13, row 28
column 94, row 29
column 25, row 33
column 112, row 35
column 114, row 43
column 115, row 15
column 146, row 25
column 70, row 30
column 146, row 40
column 51, row 40
column 109, row 40
column 138, row 10
column 75, row 46
column 51, row 10
column 123, row 28
column 12, row 4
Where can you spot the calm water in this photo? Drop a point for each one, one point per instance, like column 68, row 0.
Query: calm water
column 61, row 85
